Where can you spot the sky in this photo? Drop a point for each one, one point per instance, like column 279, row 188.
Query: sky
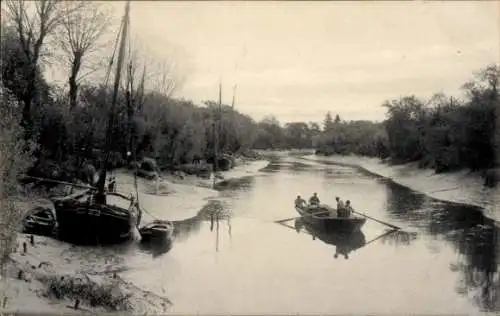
column 298, row 60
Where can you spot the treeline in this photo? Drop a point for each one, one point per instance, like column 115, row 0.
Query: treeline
column 68, row 126
column 65, row 127
column 443, row 133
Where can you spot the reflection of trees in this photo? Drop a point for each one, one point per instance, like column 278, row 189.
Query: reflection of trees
column 236, row 183
column 402, row 201
column 213, row 211
column 399, row 238
column 479, row 245
column 473, row 235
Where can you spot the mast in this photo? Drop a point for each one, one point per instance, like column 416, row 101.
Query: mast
column 216, row 128
column 234, row 97
column 101, row 197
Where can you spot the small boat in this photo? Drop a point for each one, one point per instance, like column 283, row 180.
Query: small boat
column 40, row 221
column 157, row 230
column 321, row 216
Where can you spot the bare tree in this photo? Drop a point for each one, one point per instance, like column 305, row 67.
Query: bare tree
column 33, row 22
column 165, row 80
column 82, row 27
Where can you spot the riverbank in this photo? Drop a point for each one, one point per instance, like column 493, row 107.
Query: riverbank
column 460, row 187
column 45, row 279
column 51, row 281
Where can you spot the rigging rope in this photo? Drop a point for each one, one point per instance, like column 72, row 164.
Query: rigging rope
column 108, row 72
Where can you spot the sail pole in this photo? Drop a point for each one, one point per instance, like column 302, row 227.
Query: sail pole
column 216, row 131
column 101, row 197
column 234, row 97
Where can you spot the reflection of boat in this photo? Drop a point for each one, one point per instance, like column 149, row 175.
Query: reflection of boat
column 40, row 221
column 157, row 230
column 320, row 216
column 157, row 247
column 344, row 242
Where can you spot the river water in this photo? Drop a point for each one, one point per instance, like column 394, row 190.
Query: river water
column 233, row 258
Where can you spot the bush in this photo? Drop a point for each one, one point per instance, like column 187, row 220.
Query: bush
column 15, row 158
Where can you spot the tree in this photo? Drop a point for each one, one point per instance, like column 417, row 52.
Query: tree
column 328, row 122
column 83, row 24
column 337, row 119
column 298, row 135
column 32, row 27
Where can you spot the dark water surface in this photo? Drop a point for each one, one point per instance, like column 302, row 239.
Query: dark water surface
column 444, row 260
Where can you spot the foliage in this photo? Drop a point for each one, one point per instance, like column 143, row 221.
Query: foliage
column 445, row 133
column 15, row 158
column 442, row 133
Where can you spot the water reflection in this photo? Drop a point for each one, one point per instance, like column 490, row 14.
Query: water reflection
column 215, row 212
column 254, row 263
column 242, row 183
column 399, row 238
column 344, row 243
column 157, row 247
column 474, row 237
column 405, row 203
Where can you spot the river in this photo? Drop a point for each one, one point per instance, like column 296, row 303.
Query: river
column 443, row 261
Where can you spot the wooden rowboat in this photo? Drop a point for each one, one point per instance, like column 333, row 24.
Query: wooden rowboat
column 157, row 230
column 324, row 216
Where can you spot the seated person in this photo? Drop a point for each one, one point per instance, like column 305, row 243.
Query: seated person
column 300, row 202
column 340, row 207
column 348, row 208
column 314, row 200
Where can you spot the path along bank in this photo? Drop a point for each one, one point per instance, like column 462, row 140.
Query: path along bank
column 51, row 280
column 460, row 187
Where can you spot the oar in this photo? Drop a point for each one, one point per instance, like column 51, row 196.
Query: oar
column 289, row 219
column 374, row 219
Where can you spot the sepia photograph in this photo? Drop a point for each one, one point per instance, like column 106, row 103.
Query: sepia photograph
column 250, row 157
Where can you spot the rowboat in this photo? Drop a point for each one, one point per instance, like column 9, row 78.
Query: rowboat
column 157, row 230
column 324, row 216
column 40, row 221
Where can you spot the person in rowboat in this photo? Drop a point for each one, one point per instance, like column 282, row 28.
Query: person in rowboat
column 340, row 207
column 348, row 208
column 300, row 202
column 314, row 200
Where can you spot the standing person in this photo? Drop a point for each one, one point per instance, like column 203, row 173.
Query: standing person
column 340, row 207
column 314, row 200
column 112, row 184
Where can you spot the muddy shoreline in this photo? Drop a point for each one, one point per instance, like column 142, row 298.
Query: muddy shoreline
column 51, row 282
column 462, row 187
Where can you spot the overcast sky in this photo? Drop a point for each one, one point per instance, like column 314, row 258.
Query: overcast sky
column 298, row 60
